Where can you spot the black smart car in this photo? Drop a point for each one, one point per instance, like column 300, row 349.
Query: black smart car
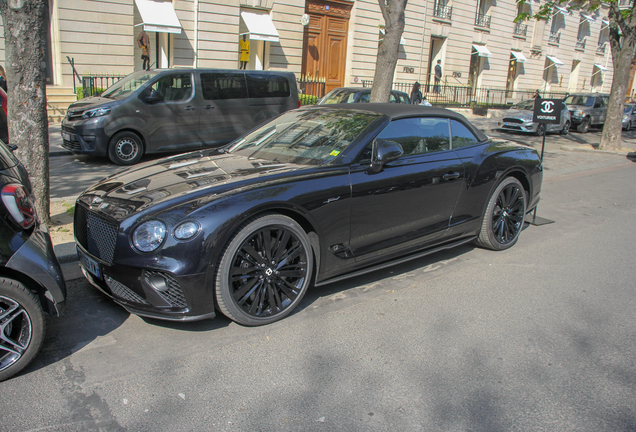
column 31, row 280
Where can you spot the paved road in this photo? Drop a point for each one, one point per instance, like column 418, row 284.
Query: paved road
column 540, row 337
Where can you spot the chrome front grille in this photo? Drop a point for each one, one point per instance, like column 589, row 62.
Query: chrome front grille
column 95, row 234
column 511, row 120
column 173, row 294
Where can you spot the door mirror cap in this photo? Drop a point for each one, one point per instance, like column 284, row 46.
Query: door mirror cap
column 384, row 152
column 154, row 97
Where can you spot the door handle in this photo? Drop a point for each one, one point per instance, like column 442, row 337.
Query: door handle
column 189, row 108
column 450, row 176
column 209, row 107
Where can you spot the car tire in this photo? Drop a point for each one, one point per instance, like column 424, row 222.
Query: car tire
column 540, row 129
column 566, row 128
column 504, row 216
column 125, row 148
column 22, row 327
column 264, row 270
column 584, row 126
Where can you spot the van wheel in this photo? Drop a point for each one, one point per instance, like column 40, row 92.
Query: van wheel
column 22, row 327
column 566, row 128
column 125, row 148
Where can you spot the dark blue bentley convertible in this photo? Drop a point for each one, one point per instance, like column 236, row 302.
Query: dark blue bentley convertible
column 316, row 195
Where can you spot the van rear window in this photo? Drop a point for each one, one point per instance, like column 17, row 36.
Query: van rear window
column 223, row 86
column 267, row 85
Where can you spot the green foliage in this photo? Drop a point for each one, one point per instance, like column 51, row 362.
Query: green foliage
column 306, row 99
column 70, row 209
column 80, row 92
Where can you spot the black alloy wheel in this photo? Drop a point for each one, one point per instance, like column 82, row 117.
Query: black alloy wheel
column 584, row 126
column 566, row 128
column 504, row 217
column 264, row 271
column 22, row 327
column 540, row 129
column 125, row 148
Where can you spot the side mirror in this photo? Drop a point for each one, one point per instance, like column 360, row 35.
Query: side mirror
column 154, row 97
column 383, row 153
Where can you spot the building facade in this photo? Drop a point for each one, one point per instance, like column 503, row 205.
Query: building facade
column 477, row 41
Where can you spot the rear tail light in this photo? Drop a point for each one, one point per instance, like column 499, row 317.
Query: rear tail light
column 299, row 104
column 19, row 204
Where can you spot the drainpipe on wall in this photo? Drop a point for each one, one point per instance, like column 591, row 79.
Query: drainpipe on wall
column 196, row 33
column 419, row 72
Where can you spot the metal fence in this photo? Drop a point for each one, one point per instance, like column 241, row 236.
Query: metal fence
column 311, row 88
column 468, row 97
column 93, row 85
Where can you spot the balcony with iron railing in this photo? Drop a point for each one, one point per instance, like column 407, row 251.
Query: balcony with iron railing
column 443, row 12
column 482, row 20
column 601, row 48
column 580, row 44
column 554, row 37
column 521, row 29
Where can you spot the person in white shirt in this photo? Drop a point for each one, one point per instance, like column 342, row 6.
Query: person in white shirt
column 425, row 102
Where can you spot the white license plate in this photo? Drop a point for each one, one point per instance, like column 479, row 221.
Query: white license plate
column 89, row 264
column 66, row 137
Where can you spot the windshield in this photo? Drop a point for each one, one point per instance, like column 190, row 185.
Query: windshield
column 313, row 137
column 580, row 100
column 628, row 109
column 339, row 96
column 129, row 84
column 524, row 105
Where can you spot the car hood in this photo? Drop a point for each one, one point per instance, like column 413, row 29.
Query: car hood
column 517, row 113
column 578, row 107
column 89, row 103
column 180, row 178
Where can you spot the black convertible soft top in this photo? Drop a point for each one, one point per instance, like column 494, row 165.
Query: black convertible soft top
column 397, row 111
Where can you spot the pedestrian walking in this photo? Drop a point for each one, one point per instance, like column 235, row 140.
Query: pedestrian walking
column 144, row 43
column 438, row 76
column 3, row 79
column 416, row 94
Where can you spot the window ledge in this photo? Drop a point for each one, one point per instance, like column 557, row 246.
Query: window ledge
column 442, row 20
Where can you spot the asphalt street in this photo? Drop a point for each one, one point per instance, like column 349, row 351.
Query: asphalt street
column 539, row 337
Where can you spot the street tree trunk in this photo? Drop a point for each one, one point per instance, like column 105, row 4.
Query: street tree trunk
column 25, row 26
column 393, row 13
column 622, row 37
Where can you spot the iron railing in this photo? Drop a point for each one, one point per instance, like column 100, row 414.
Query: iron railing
column 601, row 48
column 580, row 43
column 482, row 20
column 442, row 11
column 312, row 89
column 468, row 97
column 93, row 85
column 75, row 74
column 521, row 29
column 554, row 37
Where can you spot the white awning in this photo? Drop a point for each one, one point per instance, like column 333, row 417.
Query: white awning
column 605, row 21
column 402, row 40
column 482, row 51
column 587, row 17
column 601, row 68
column 562, row 10
column 518, row 55
column 258, row 26
column 158, row 16
column 555, row 60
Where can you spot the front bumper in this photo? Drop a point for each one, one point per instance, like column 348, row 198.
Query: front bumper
column 85, row 136
column 36, row 259
column 517, row 125
column 147, row 292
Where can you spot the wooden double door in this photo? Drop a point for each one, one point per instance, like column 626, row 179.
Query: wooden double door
column 325, row 41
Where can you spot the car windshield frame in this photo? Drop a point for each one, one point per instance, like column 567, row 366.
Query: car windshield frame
column 129, row 84
column 340, row 96
column 628, row 109
column 578, row 100
column 306, row 137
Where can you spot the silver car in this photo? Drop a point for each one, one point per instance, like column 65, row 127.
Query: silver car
column 519, row 118
column 629, row 116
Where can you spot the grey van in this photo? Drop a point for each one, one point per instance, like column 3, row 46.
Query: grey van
column 587, row 109
column 175, row 109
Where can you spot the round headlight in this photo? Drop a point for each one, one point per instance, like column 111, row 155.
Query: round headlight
column 149, row 235
column 186, row 230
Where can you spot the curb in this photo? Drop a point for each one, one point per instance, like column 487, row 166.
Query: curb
column 65, row 252
column 590, row 149
column 60, row 153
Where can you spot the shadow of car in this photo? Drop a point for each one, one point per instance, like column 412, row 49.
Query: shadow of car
column 359, row 95
column 31, row 281
column 519, row 119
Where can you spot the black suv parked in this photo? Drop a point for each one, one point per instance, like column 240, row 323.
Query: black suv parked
column 587, row 109
column 30, row 276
